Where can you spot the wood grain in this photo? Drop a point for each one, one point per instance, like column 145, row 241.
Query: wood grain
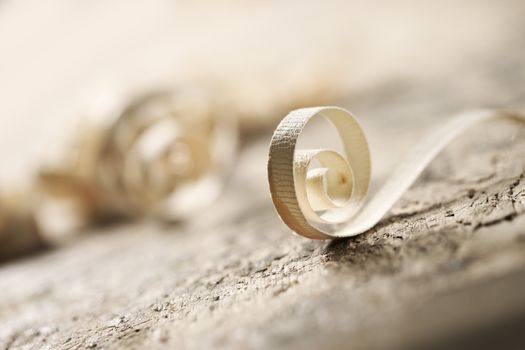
column 444, row 268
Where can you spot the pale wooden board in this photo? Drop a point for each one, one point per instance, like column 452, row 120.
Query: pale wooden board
column 446, row 265
column 236, row 277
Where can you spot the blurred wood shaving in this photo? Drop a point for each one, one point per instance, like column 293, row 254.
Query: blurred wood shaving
column 160, row 144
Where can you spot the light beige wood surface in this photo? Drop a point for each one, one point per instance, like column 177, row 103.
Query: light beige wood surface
column 446, row 267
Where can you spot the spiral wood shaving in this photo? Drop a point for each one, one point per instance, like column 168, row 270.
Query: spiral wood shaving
column 19, row 231
column 330, row 201
column 150, row 161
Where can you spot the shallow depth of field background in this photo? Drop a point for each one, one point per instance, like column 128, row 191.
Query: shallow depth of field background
column 60, row 58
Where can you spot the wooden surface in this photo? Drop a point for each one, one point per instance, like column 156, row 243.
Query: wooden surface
column 445, row 268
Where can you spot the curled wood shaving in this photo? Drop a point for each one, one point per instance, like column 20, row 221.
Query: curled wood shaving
column 154, row 159
column 19, row 231
column 164, row 154
column 330, row 201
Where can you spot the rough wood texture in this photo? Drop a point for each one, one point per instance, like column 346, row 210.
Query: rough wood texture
column 445, row 268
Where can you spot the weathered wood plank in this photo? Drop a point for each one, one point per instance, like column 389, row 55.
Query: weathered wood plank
column 446, row 267
column 238, row 277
